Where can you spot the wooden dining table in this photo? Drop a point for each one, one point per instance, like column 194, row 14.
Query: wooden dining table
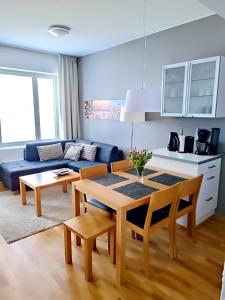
column 121, row 203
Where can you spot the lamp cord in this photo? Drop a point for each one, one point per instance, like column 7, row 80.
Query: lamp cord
column 131, row 136
column 143, row 84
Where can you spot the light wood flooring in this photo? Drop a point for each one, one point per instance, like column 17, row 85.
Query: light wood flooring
column 34, row 268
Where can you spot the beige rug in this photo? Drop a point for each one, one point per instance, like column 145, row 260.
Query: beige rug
column 18, row 221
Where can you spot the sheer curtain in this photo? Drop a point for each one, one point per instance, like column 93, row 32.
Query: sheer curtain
column 68, row 91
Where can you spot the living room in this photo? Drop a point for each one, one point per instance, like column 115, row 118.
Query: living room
column 108, row 100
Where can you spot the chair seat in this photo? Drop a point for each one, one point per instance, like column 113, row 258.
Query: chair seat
column 90, row 225
column 137, row 215
column 100, row 205
column 183, row 204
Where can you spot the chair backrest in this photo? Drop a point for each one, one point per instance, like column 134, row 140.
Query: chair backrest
column 162, row 199
column 121, row 165
column 98, row 170
column 190, row 188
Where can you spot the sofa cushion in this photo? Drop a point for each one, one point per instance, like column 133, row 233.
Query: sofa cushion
column 89, row 152
column 80, row 164
column 49, row 152
column 31, row 153
column 73, row 152
column 11, row 171
column 106, row 153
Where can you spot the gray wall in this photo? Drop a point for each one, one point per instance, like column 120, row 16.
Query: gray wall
column 108, row 74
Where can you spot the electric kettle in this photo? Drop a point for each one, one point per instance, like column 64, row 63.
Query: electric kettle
column 173, row 144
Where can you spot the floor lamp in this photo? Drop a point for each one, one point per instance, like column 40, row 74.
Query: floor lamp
column 132, row 117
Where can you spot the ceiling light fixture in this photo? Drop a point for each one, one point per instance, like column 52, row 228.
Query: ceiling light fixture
column 59, row 30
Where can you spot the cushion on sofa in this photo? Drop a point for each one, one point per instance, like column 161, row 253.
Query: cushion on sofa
column 49, row 152
column 89, row 152
column 106, row 153
column 11, row 171
column 80, row 164
column 31, row 152
column 73, row 152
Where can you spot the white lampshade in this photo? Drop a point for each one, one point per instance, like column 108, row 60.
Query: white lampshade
column 131, row 116
column 142, row 100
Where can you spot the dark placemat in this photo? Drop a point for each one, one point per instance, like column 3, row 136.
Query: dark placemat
column 167, row 179
column 133, row 171
column 135, row 190
column 108, row 179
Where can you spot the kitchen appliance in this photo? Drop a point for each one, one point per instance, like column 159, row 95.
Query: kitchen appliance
column 173, row 144
column 207, row 141
column 202, row 142
column 213, row 147
column 189, row 144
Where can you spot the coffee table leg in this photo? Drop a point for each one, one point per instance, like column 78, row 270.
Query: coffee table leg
column 64, row 188
column 37, row 195
column 23, row 192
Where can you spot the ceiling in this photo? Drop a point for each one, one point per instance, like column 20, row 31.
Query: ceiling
column 95, row 24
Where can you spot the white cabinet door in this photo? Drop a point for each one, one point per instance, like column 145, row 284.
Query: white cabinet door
column 202, row 87
column 174, row 89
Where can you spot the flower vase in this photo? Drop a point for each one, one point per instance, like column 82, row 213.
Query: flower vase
column 140, row 175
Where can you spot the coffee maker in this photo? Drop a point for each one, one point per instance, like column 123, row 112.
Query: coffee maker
column 207, row 141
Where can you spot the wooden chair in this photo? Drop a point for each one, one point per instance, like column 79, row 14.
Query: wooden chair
column 148, row 218
column 188, row 189
column 88, row 226
column 89, row 172
column 93, row 171
column 121, row 165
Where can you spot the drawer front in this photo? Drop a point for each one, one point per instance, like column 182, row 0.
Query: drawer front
column 209, row 166
column 208, row 195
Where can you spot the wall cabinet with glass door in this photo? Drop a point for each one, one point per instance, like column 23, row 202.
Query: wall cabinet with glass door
column 194, row 89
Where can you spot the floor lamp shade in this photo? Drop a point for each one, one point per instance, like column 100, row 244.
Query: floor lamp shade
column 131, row 116
column 142, row 100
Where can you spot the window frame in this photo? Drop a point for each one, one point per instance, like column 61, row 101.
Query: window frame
column 34, row 76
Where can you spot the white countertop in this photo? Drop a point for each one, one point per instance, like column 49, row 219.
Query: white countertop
column 185, row 157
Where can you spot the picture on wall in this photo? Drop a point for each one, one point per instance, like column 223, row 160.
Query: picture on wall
column 103, row 109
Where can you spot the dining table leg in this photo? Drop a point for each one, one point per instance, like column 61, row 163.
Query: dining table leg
column 76, row 209
column 120, row 245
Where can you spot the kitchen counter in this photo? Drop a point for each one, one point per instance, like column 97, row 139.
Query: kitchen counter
column 193, row 165
column 185, row 157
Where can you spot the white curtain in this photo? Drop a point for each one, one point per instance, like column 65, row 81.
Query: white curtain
column 68, row 91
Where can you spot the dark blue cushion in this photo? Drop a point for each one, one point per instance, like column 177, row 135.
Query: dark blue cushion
column 80, row 164
column 100, row 205
column 183, row 204
column 106, row 153
column 11, row 171
column 137, row 215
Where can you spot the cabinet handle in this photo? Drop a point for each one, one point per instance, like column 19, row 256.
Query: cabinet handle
column 209, row 178
column 211, row 167
column 208, row 199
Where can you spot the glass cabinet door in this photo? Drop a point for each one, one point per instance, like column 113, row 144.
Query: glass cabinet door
column 174, row 89
column 202, row 92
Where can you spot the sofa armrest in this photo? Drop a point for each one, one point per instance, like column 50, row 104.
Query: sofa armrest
column 120, row 155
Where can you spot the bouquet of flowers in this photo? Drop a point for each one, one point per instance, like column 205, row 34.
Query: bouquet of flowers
column 139, row 159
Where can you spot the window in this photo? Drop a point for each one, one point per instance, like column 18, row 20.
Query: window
column 28, row 106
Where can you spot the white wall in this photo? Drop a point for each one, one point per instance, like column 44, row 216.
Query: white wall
column 11, row 57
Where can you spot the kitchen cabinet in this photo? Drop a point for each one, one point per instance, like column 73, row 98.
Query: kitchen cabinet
column 194, row 89
column 193, row 165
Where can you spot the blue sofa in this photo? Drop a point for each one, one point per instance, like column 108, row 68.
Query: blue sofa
column 11, row 171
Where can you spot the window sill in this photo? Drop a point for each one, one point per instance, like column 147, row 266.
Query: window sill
column 12, row 147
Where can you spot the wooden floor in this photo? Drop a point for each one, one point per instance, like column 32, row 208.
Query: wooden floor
column 34, row 268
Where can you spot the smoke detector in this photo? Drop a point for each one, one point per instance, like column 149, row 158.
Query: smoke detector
column 59, row 30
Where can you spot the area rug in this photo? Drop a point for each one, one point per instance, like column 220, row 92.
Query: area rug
column 18, row 221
